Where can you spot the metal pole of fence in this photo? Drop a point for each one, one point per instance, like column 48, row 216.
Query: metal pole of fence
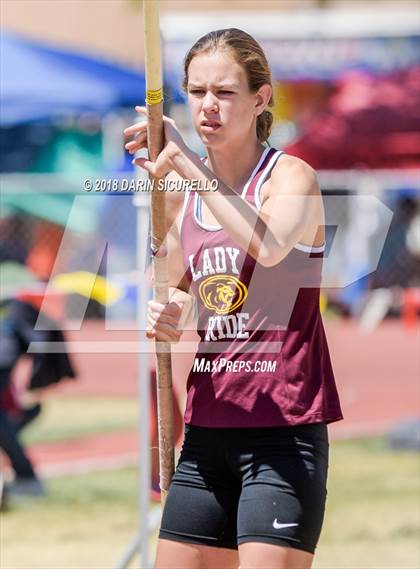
column 140, row 543
column 142, row 203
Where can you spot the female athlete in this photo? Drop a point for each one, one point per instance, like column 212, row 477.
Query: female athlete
column 250, row 485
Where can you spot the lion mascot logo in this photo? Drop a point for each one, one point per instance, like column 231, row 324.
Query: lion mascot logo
column 222, row 293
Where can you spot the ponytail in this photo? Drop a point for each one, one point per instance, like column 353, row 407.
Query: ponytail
column 264, row 124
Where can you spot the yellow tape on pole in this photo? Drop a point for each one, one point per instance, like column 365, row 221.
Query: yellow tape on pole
column 153, row 59
column 154, row 97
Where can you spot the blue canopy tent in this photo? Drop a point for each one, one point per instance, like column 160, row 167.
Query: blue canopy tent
column 38, row 82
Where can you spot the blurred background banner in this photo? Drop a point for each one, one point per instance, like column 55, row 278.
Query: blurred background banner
column 315, row 45
column 370, row 121
column 346, row 78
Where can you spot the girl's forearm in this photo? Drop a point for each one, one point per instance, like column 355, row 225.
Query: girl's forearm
column 237, row 217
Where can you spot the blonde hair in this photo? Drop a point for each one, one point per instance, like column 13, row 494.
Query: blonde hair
column 248, row 53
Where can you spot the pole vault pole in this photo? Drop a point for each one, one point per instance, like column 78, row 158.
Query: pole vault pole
column 154, row 103
column 155, row 138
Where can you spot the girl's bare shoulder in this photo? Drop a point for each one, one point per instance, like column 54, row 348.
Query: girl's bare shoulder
column 296, row 174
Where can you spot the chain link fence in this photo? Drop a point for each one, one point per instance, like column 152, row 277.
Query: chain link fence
column 51, row 226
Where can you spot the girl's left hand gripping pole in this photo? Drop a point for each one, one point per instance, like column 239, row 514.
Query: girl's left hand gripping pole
column 155, row 137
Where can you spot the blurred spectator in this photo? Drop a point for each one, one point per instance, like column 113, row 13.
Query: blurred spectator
column 398, row 266
column 397, row 277
column 17, row 331
column 26, row 481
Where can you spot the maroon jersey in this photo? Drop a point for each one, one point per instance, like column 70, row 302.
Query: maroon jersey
column 263, row 358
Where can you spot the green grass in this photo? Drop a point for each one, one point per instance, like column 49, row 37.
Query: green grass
column 64, row 418
column 86, row 522
column 373, row 508
column 372, row 519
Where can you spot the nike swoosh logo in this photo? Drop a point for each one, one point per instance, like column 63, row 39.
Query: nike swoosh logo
column 276, row 525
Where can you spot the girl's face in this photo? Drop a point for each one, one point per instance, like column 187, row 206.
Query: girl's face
column 223, row 108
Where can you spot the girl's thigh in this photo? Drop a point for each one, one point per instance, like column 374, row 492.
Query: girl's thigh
column 283, row 495
column 202, row 503
column 268, row 556
column 178, row 555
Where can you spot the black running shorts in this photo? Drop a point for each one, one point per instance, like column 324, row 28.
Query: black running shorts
column 233, row 486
